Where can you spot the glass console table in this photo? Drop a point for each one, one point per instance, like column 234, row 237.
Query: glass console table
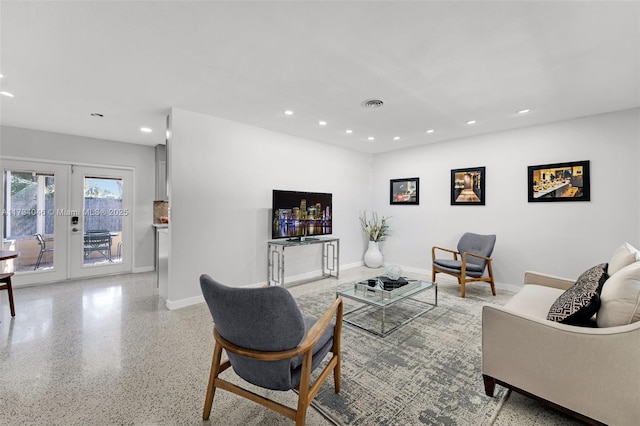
column 330, row 259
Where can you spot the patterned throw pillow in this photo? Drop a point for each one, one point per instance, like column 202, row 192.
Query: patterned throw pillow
column 579, row 303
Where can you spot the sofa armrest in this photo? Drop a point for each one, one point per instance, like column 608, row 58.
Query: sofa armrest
column 590, row 371
column 546, row 280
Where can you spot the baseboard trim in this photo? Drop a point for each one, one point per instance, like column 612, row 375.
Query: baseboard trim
column 172, row 305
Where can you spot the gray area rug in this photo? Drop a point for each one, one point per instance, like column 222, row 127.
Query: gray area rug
column 425, row 372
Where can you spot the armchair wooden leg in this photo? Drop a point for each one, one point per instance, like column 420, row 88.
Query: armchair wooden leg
column 303, row 390
column 213, row 375
column 336, row 375
column 490, row 271
column 462, row 287
column 336, row 350
column 301, row 415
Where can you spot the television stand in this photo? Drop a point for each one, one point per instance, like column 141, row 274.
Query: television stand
column 302, row 239
column 330, row 260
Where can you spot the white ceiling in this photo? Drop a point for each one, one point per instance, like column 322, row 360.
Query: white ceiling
column 434, row 64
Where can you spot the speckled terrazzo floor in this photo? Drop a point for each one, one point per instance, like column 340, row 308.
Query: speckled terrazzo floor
column 105, row 351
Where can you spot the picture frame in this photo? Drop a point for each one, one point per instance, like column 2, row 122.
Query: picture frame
column 404, row 191
column 569, row 181
column 468, row 186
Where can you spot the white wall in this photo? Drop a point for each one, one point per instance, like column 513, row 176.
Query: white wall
column 48, row 146
column 559, row 238
column 221, row 177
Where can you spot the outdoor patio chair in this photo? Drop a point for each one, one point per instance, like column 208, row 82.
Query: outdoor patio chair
column 98, row 241
column 43, row 249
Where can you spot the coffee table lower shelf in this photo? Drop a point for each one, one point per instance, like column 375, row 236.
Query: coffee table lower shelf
column 371, row 303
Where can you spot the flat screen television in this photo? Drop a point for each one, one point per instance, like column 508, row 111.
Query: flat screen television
column 299, row 214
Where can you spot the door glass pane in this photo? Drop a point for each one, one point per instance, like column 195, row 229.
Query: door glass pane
column 28, row 215
column 103, row 215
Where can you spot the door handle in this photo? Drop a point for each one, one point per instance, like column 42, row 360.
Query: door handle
column 75, row 229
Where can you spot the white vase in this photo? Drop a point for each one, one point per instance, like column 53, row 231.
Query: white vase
column 373, row 256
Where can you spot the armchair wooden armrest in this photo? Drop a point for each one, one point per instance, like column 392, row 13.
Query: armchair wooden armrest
column 318, row 328
column 434, row 248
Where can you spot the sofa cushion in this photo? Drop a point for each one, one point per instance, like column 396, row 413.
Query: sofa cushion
column 534, row 300
column 620, row 298
column 624, row 255
column 581, row 301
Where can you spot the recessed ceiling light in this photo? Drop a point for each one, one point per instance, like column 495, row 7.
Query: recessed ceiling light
column 524, row 111
column 288, row 112
column 348, row 131
column 97, row 114
column 471, row 122
column 146, row 129
column 430, row 131
column 322, row 123
column 1, row 76
column 7, row 94
column 371, row 138
column 396, row 138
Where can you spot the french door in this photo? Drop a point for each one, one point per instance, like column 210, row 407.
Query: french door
column 100, row 221
column 34, row 196
column 66, row 221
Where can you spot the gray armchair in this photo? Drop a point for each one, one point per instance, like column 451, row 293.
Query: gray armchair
column 475, row 251
column 270, row 344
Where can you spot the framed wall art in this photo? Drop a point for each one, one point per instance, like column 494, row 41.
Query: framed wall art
column 468, row 186
column 405, row 191
column 559, row 182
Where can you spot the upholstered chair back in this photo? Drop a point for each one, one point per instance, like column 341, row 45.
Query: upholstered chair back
column 261, row 319
column 477, row 244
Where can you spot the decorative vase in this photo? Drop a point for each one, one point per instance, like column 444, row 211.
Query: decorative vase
column 373, row 256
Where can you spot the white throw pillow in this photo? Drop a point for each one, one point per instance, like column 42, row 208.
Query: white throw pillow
column 620, row 298
column 624, row 255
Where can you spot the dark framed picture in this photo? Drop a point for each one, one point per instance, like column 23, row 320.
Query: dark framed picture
column 467, row 186
column 405, row 191
column 559, row 182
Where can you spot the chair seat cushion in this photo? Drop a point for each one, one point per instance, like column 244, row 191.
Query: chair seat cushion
column 327, row 336
column 454, row 266
column 254, row 371
column 534, row 300
column 320, row 350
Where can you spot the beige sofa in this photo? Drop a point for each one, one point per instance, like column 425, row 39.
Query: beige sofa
column 590, row 373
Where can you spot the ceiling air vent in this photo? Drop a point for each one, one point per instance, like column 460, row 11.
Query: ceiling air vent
column 372, row 103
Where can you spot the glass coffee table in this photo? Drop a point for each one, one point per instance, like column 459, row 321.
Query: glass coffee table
column 378, row 306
